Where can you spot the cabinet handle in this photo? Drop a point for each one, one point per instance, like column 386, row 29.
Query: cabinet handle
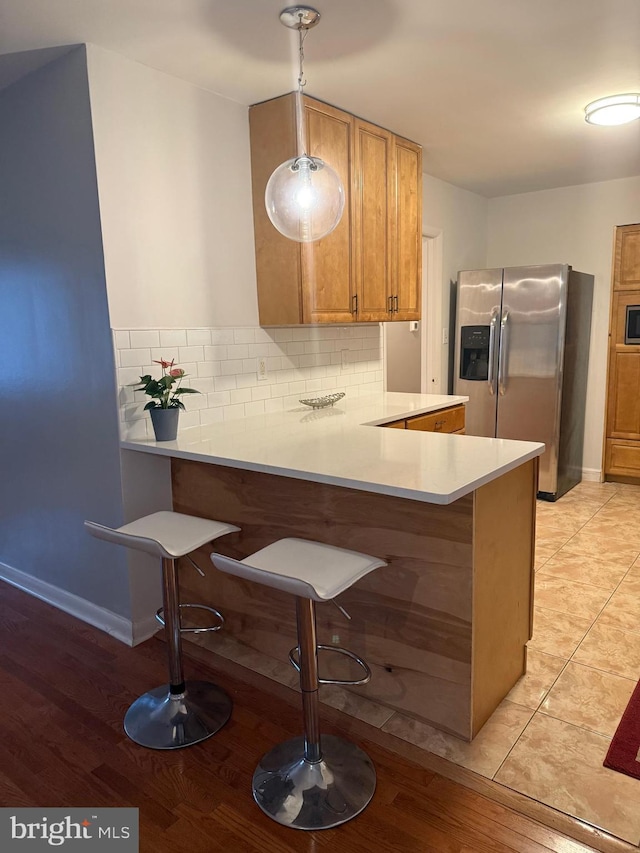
column 396, row 301
column 354, row 304
column 390, row 309
column 439, row 424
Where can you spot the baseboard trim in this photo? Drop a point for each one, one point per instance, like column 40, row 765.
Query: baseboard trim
column 592, row 475
column 144, row 629
column 113, row 624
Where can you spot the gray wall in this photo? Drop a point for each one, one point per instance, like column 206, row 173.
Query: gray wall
column 59, row 428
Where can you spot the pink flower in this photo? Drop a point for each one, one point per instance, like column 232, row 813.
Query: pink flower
column 164, row 364
column 177, row 372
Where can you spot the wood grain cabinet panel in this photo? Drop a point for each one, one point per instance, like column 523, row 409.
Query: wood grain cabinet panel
column 627, row 258
column 450, row 420
column 373, row 221
column 445, row 420
column 622, row 441
column 407, row 268
column 369, row 268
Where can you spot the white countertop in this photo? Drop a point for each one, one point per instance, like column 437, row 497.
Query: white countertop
column 343, row 446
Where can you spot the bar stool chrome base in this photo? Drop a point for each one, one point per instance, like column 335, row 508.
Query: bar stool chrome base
column 312, row 795
column 160, row 720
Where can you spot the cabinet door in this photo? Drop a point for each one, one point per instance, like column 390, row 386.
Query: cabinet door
column 626, row 275
column 622, row 444
column 373, row 211
column 406, row 278
column 327, row 274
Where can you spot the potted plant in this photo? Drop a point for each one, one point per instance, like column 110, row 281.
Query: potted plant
column 165, row 404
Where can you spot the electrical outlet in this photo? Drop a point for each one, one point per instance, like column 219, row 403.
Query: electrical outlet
column 262, row 370
column 344, row 359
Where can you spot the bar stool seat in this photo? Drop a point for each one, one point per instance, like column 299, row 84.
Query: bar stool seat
column 180, row 713
column 310, row 782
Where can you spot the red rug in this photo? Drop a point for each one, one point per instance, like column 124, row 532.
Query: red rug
column 623, row 751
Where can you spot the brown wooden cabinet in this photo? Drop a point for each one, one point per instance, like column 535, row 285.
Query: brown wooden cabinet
column 369, row 268
column 622, row 441
column 449, row 420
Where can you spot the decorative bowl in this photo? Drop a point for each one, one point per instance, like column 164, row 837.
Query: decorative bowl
column 323, row 402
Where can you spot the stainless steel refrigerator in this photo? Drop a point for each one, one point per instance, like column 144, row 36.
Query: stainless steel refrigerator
column 521, row 356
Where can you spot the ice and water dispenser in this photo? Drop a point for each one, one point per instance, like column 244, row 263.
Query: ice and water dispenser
column 474, row 353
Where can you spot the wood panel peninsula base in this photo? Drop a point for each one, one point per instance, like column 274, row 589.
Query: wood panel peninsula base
column 444, row 626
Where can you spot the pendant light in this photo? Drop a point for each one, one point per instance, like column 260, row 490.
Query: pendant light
column 304, row 196
column 616, row 109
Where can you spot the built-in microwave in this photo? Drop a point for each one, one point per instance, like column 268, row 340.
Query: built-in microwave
column 632, row 326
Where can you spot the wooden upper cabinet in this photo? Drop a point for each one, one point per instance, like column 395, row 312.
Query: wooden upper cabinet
column 327, row 266
column 407, row 268
column 369, row 268
column 626, row 274
column 374, row 202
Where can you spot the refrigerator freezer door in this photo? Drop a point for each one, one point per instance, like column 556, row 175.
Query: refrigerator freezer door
column 533, row 319
column 477, row 332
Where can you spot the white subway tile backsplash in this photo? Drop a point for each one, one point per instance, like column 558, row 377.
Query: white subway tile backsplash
column 231, row 367
column 222, row 365
column 261, row 391
column 144, row 338
column 128, row 375
column 274, row 404
column 221, row 336
column 244, row 336
column 254, row 408
column 198, row 337
column 211, row 416
column 224, row 383
column 238, row 351
column 121, row 339
column 202, row 384
column 281, row 334
column 235, row 412
column 134, row 357
column 173, row 338
column 165, row 354
column 210, row 368
column 246, row 380
column 241, row 395
column 218, row 398
column 191, row 354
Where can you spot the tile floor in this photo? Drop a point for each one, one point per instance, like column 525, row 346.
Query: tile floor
column 549, row 737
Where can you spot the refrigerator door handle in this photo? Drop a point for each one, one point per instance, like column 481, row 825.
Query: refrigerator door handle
column 492, row 352
column 502, row 355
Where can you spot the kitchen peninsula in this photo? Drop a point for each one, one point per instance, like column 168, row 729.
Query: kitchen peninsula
column 444, row 625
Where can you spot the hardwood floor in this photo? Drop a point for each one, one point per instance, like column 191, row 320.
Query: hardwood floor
column 65, row 688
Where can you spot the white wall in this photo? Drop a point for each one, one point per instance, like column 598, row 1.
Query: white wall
column 461, row 216
column 59, row 429
column 572, row 225
column 174, row 181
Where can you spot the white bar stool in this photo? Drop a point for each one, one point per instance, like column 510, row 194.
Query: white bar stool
column 179, row 713
column 308, row 782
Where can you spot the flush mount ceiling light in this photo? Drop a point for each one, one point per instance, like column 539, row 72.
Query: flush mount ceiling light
column 304, row 196
column 616, row 109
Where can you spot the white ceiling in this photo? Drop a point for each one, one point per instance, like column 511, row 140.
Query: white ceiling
column 493, row 89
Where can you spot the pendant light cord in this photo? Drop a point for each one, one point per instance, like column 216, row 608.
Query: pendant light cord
column 300, row 124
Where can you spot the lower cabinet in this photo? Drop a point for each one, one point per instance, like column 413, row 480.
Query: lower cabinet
column 450, row 420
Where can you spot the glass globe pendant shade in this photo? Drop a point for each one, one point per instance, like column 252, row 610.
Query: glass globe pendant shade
column 304, row 199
